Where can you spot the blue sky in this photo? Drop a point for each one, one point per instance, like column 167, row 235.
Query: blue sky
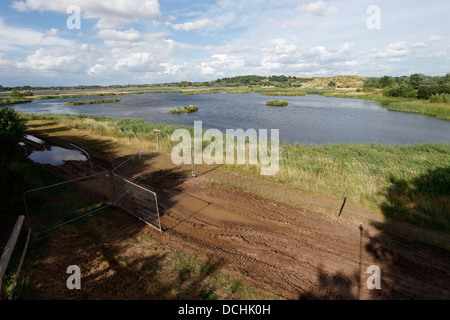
column 156, row 41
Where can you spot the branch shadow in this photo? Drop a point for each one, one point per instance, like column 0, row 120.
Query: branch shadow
column 424, row 200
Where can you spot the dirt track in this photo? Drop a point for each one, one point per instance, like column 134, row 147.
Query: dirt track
column 291, row 252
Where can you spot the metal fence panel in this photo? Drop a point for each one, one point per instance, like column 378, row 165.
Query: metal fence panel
column 136, row 200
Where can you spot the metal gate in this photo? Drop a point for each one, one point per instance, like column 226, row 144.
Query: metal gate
column 136, row 200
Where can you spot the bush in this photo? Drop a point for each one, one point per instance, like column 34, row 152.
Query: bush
column 185, row 109
column 17, row 94
column 440, row 98
column 12, row 132
column 403, row 91
column 426, row 91
column 277, row 103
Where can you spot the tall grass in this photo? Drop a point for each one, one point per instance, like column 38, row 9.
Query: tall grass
column 185, row 109
column 277, row 103
column 440, row 110
column 12, row 101
column 98, row 101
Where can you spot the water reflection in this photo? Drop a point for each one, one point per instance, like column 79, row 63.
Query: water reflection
column 307, row 119
column 57, row 156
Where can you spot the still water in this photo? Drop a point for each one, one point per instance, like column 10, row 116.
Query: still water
column 308, row 119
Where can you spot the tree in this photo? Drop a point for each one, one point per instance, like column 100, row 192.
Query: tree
column 12, row 132
column 418, row 79
column 386, row 81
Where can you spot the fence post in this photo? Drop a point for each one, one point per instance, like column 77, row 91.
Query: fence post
column 157, row 136
column 342, row 207
column 193, row 163
column 113, row 190
column 4, row 294
column 7, row 252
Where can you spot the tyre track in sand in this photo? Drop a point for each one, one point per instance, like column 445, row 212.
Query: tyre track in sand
column 296, row 253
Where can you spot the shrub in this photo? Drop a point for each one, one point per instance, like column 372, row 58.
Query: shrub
column 277, row 103
column 403, row 90
column 17, row 94
column 426, row 91
column 185, row 109
column 440, row 98
column 12, row 132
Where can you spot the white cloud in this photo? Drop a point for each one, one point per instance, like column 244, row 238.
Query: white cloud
column 221, row 63
column 435, row 38
column 200, row 24
column 14, row 38
column 419, row 44
column 110, row 14
column 129, row 35
column 52, row 59
column 51, row 33
column 319, row 8
column 393, row 51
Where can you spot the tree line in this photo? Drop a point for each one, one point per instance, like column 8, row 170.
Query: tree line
column 417, row 85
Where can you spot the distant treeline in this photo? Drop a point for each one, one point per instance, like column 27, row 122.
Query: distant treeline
column 249, row 80
column 420, row 86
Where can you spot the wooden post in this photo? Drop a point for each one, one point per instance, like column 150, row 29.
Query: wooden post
column 4, row 294
column 157, row 136
column 193, row 164
column 342, row 207
column 7, row 252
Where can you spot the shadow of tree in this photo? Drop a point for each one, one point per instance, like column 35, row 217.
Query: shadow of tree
column 116, row 263
column 100, row 244
column 425, row 199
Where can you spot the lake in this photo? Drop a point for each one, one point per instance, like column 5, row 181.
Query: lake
column 307, row 119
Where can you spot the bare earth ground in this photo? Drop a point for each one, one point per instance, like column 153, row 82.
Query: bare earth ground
column 285, row 251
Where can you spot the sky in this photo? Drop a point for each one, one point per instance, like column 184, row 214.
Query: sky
column 90, row 42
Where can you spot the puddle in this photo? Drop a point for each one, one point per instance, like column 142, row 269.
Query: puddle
column 82, row 150
column 34, row 139
column 57, row 156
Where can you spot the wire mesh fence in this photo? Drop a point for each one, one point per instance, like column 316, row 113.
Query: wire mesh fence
column 137, row 182
column 56, row 205
column 136, row 200
column 152, row 165
column 334, row 203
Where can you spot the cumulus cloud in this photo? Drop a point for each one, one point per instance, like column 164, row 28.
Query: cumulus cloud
column 435, row 38
column 15, row 38
column 129, row 35
column 110, row 14
column 51, row 33
column 319, row 8
column 393, row 51
column 221, row 64
column 419, row 44
column 200, row 24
